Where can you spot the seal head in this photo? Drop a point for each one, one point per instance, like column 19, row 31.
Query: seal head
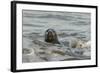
column 51, row 36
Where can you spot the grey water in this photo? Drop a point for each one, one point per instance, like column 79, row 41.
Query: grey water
column 66, row 24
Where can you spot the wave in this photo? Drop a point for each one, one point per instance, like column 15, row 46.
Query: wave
column 55, row 52
column 33, row 25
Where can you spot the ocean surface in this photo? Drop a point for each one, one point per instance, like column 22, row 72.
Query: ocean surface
column 68, row 26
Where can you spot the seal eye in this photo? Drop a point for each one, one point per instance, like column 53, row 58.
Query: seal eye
column 51, row 37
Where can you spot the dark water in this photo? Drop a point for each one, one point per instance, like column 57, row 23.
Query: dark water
column 68, row 25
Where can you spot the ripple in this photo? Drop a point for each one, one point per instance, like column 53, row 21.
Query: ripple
column 33, row 25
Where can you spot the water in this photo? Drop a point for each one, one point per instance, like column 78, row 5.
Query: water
column 68, row 25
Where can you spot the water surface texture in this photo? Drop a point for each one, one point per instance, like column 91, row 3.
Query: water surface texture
column 69, row 26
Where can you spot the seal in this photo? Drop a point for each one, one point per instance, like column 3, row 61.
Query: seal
column 51, row 36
